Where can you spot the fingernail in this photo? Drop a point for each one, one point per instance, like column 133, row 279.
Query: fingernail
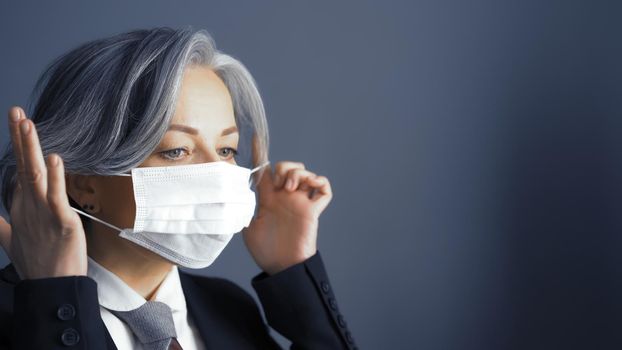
column 25, row 127
column 15, row 116
column 289, row 184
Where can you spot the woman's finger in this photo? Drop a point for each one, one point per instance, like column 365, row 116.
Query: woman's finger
column 321, row 184
column 15, row 116
column 5, row 236
column 35, row 175
column 57, row 195
column 304, row 186
column 295, row 177
column 281, row 169
column 16, row 199
column 317, row 184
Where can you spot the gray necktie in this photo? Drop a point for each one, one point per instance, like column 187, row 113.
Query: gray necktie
column 152, row 323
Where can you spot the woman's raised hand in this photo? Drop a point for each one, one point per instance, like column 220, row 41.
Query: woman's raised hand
column 45, row 237
column 284, row 231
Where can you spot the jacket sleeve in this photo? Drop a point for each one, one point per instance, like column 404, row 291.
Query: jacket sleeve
column 300, row 304
column 57, row 313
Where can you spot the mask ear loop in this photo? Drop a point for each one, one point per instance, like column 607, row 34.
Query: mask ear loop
column 250, row 180
column 96, row 219
column 99, row 220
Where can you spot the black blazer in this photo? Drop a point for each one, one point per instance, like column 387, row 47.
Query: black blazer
column 63, row 312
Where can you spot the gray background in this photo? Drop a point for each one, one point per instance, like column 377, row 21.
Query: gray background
column 473, row 148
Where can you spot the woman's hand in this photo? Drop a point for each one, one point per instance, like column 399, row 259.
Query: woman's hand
column 46, row 237
column 284, row 231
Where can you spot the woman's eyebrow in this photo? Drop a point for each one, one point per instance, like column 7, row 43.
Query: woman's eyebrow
column 229, row 130
column 184, row 128
column 193, row 131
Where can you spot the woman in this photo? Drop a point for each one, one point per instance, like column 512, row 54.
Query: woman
column 127, row 170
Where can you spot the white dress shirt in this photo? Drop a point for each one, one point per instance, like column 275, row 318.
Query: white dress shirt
column 116, row 295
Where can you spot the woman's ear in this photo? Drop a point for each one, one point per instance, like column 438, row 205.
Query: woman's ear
column 82, row 190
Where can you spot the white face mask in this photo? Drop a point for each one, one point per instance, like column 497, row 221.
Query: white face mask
column 188, row 213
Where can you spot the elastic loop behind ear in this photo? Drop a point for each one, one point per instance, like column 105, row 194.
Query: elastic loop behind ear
column 96, row 219
column 261, row 166
column 250, row 180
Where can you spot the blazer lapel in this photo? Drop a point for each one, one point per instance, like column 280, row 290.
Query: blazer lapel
column 198, row 305
column 109, row 342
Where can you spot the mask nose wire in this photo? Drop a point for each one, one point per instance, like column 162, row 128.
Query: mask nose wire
column 96, row 219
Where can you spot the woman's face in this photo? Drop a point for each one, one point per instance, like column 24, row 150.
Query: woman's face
column 203, row 129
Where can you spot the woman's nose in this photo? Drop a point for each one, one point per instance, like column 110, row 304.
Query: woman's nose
column 207, row 154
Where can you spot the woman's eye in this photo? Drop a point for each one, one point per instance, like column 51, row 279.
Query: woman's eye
column 173, row 154
column 228, row 152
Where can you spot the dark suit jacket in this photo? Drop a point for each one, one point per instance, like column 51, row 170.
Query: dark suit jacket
column 63, row 312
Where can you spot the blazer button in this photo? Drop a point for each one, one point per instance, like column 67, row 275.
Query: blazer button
column 341, row 321
column 70, row 337
column 66, row 312
column 325, row 287
column 349, row 337
column 332, row 303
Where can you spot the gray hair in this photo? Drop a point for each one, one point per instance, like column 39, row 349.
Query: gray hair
column 105, row 105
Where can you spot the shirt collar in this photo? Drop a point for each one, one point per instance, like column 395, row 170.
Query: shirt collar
column 114, row 294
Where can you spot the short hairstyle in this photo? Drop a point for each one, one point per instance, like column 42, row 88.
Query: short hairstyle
column 105, row 105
